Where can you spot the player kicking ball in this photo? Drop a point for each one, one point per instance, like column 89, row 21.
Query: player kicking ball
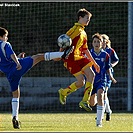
column 15, row 67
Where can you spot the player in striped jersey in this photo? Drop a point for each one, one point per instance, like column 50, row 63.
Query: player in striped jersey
column 103, row 60
column 14, row 68
column 114, row 61
column 77, row 64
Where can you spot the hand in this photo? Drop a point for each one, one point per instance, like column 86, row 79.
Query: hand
column 21, row 55
column 114, row 80
column 97, row 68
column 18, row 67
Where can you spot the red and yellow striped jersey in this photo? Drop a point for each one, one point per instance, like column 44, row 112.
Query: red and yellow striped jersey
column 79, row 41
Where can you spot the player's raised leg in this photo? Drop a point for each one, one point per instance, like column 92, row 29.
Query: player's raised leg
column 51, row 55
column 63, row 55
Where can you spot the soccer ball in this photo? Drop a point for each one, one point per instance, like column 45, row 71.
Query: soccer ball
column 64, row 41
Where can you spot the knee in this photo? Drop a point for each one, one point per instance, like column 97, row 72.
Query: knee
column 93, row 100
column 16, row 93
column 100, row 95
column 90, row 76
column 80, row 84
column 93, row 103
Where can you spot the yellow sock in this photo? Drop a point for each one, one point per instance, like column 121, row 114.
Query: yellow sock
column 70, row 89
column 87, row 92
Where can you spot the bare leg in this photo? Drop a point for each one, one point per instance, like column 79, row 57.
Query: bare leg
column 46, row 56
column 93, row 100
column 89, row 83
column 90, row 75
column 16, row 94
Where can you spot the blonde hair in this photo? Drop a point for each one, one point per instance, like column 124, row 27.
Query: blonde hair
column 105, row 37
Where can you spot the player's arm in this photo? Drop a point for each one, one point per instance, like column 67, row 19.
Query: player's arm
column 11, row 54
column 108, row 68
column 21, row 55
column 88, row 54
column 15, row 59
column 114, row 63
column 114, row 58
column 111, row 76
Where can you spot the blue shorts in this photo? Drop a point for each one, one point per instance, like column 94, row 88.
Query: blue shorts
column 108, row 84
column 97, row 86
column 15, row 76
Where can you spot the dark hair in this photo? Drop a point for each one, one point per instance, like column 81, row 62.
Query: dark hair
column 98, row 36
column 3, row 31
column 82, row 12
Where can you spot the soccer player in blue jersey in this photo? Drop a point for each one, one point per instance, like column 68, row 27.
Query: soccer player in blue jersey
column 14, row 68
column 114, row 61
column 103, row 60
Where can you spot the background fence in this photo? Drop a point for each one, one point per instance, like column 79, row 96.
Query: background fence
column 34, row 28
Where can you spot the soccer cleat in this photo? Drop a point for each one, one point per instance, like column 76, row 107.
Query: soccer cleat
column 62, row 98
column 96, row 118
column 16, row 123
column 99, row 125
column 67, row 52
column 108, row 116
column 85, row 106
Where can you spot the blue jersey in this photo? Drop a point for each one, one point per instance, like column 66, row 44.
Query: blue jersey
column 112, row 54
column 103, row 60
column 8, row 66
column 114, row 58
column 6, row 62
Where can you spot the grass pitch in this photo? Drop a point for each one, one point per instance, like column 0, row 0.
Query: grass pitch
column 67, row 122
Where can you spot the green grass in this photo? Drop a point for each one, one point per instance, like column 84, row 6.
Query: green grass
column 67, row 122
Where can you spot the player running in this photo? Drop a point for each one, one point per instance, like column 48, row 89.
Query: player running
column 103, row 60
column 77, row 63
column 14, row 68
column 114, row 61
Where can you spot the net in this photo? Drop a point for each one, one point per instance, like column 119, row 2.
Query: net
column 34, row 28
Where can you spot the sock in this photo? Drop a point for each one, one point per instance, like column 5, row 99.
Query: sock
column 107, row 108
column 104, row 108
column 15, row 107
column 100, row 112
column 70, row 89
column 87, row 92
column 52, row 55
